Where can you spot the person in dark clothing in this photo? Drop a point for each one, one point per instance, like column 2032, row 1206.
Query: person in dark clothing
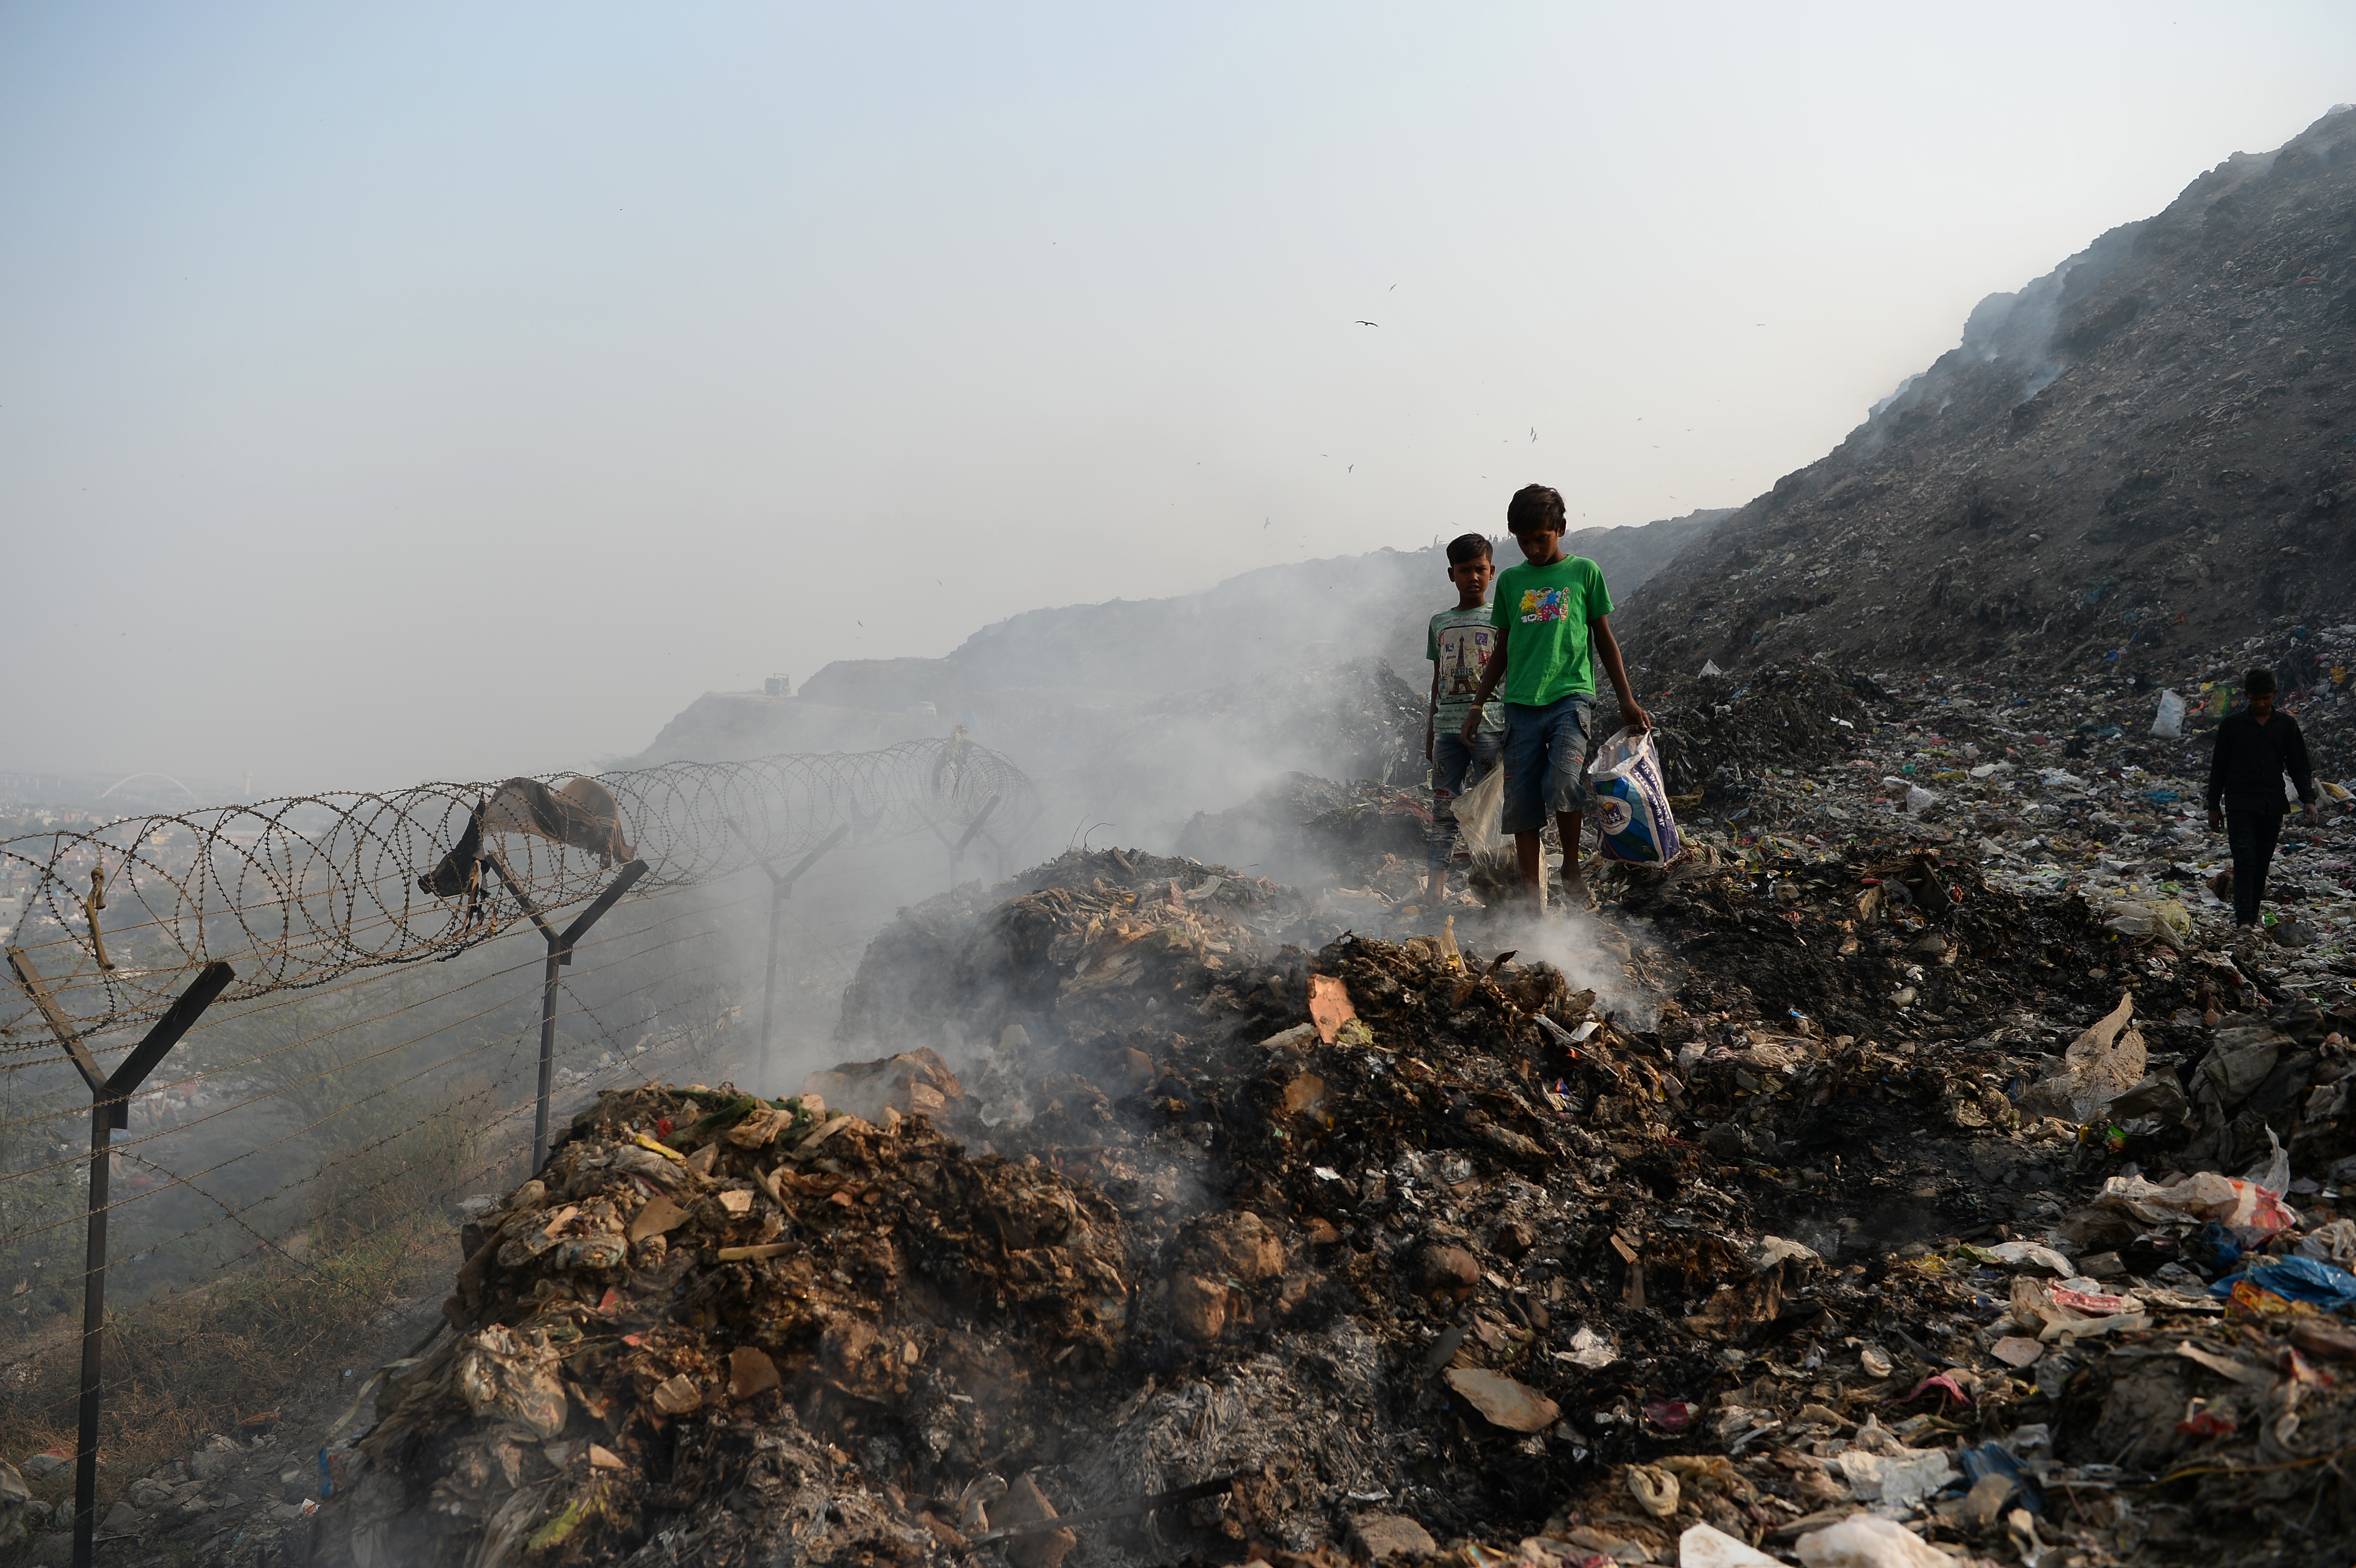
column 2256, row 747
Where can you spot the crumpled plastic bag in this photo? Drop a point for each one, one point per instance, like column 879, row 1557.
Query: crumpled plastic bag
column 1703, row 1547
column 2242, row 1211
column 2104, row 1063
column 2168, row 722
column 2272, row 1173
column 1917, row 799
column 2296, row 1278
column 507, row 1376
column 1479, row 811
column 2029, row 1254
column 1655, row 1490
column 2333, row 1243
column 1893, row 1484
column 2237, row 1205
column 1868, row 1540
column 1632, row 802
column 2150, row 920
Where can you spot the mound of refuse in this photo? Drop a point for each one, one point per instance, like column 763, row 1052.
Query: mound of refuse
column 1159, row 1236
column 2133, row 453
column 698, row 1294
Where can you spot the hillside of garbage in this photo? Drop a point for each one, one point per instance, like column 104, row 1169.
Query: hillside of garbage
column 1915, row 1171
column 2140, row 450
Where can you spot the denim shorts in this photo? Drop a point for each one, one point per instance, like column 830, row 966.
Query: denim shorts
column 1546, row 762
column 1455, row 767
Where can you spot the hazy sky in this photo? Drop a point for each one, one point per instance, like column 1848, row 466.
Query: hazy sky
column 394, row 392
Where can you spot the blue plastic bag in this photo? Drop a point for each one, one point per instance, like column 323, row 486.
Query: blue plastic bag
column 2296, row 1278
column 1995, row 1459
column 1631, row 802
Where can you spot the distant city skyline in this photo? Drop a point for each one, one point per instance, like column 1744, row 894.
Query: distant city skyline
column 453, row 393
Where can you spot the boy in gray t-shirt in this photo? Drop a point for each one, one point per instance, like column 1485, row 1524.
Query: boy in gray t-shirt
column 1458, row 643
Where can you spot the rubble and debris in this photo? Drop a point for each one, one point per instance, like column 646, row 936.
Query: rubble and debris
column 1888, row 1218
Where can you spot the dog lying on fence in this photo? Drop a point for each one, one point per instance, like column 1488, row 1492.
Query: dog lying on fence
column 581, row 816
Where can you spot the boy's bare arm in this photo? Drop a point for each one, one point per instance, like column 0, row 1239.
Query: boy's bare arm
column 1607, row 646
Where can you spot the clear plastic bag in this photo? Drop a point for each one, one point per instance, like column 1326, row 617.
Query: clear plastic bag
column 1480, row 810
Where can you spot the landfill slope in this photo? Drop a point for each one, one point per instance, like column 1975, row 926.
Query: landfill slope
column 1169, row 1225
column 2145, row 449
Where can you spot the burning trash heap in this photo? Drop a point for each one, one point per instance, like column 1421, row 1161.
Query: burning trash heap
column 1160, row 1235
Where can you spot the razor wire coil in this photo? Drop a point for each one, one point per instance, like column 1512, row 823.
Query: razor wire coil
column 299, row 891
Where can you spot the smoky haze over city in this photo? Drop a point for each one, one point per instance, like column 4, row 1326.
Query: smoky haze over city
column 454, row 393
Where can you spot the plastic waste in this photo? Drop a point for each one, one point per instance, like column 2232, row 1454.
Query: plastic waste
column 1655, row 1490
column 1995, row 1459
column 1590, row 1349
column 2239, row 1206
column 2150, row 920
column 2104, row 1063
column 2168, row 722
column 1632, row 802
column 2296, row 1278
column 513, row 1377
column 1896, row 1482
column 1868, row 1540
column 2332, row 1244
column 1480, row 812
column 2273, row 1173
column 1703, row 1547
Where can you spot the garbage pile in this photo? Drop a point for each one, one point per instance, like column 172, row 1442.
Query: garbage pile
column 1900, row 1214
column 2057, row 794
column 2105, row 522
column 1779, row 716
column 706, row 1298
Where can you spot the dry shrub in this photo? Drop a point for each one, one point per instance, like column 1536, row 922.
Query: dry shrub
column 184, row 1364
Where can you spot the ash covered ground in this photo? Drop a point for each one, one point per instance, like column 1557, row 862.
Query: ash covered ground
column 1893, row 1179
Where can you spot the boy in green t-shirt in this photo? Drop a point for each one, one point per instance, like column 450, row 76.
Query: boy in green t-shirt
column 1458, row 643
column 1552, row 616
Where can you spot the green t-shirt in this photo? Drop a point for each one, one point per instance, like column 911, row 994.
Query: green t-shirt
column 1459, row 642
column 1541, row 616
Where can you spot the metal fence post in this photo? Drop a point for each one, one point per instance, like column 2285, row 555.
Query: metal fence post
column 559, row 951
column 110, row 1107
column 958, row 849
column 781, row 887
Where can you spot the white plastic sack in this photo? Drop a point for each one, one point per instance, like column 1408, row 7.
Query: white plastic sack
column 1864, row 1541
column 2273, row 1173
column 1918, row 798
column 1703, row 1547
column 1480, row 809
column 1631, row 802
column 2168, row 725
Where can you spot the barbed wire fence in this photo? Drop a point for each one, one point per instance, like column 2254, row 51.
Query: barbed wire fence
column 366, row 1053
